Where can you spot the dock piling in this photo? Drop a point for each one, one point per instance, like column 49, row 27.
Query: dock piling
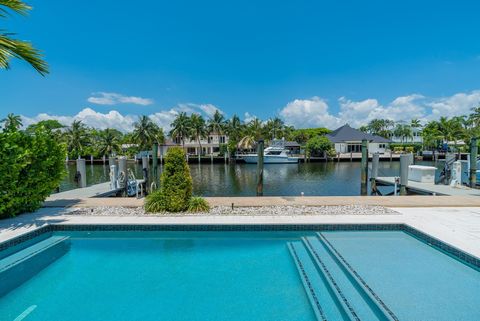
column 473, row 162
column 364, row 168
column 260, row 168
column 155, row 162
column 405, row 161
column 374, row 175
column 82, row 172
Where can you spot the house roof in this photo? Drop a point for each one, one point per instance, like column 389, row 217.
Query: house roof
column 291, row 144
column 349, row 134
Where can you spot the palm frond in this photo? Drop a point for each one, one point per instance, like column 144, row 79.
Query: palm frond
column 13, row 48
column 17, row 6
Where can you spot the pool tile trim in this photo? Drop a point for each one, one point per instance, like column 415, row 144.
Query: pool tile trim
column 435, row 242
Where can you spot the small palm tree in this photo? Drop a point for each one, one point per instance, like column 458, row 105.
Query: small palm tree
column 11, row 122
column 234, row 128
column 274, row 127
column 255, row 128
column 216, row 124
column 198, row 130
column 181, row 128
column 77, row 138
column 146, row 132
column 14, row 48
column 109, row 142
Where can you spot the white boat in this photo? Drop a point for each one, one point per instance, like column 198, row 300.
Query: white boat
column 275, row 154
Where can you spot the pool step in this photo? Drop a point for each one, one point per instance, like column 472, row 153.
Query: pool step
column 355, row 299
column 371, row 297
column 323, row 303
column 24, row 264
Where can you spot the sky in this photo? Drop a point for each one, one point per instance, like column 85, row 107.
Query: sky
column 311, row 63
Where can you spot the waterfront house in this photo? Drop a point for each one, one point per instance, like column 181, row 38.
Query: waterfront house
column 210, row 144
column 349, row 140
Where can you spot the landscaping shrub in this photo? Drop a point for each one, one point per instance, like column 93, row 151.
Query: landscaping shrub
column 398, row 149
column 31, row 168
column 175, row 186
column 409, row 149
column 198, row 204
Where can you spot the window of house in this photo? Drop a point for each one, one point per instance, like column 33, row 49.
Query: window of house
column 381, row 145
column 222, row 139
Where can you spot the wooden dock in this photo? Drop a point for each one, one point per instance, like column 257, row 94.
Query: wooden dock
column 97, row 190
column 430, row 189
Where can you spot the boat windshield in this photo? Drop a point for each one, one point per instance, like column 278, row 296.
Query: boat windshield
column 273, row 152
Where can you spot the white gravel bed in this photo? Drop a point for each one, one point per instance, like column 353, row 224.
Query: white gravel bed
column 243, row 211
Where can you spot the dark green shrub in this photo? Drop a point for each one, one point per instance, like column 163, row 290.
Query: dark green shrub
column 31, row 168
column 155, row 202
column 175, row 186
column 198, row 204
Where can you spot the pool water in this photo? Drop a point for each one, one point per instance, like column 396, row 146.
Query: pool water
column 367, row 275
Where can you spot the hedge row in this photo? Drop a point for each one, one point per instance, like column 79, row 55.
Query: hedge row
column 31, row 167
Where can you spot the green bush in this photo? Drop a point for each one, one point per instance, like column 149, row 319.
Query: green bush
column 416, row 146
column 409, row 149
column 155, row 202
column 175, row 186
column 31, row 168
column 318, row 144
column 398, row 149
column 198, row 204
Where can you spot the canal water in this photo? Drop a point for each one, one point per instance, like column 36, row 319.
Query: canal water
column 313, row 179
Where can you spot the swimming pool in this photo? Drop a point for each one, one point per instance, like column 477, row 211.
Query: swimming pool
column 313, row 273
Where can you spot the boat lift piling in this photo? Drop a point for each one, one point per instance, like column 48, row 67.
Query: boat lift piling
column 260, row 168
column 374, row 175
column 364, row 168
column 81, row 172
column 473, row 162
column 155, row 163
column 405, row 161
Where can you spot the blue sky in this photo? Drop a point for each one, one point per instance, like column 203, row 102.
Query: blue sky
column 313, row 63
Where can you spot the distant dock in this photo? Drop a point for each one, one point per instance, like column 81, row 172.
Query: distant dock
column 430, row 189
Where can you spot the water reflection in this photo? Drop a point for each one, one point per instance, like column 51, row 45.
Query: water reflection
column 240, row 179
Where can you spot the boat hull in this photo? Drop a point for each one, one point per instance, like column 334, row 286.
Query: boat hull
column 270, row 159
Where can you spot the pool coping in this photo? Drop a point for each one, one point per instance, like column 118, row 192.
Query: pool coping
column 443, row 246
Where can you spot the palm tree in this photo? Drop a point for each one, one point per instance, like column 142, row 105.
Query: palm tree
column 403, row 132
column 274, row 127
column 234, row 128
column 198, row 130
column 109, row 141
column 146, row 132
column 181, row 127
column 77, row 138
column 14, row 48
column 475, row 116
column 11, row 122
column 255, row 128
column 216, row 124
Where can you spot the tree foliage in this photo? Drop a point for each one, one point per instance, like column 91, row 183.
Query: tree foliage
column 14, row 48
column 31, row 168
column 175, row 187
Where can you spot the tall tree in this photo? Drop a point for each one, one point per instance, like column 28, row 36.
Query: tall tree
column 77, row 138
column 14, row 48
column 274, row 127
column 216, row 124
column 198, row 130
column 146, row 132
column 234, row 128
column 181, row 128
column 12, row 122
column 109, row 142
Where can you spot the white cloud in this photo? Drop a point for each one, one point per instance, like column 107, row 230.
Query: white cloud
column 316, row 112
column 114, row 119
column 309, row 113
column 103, row 98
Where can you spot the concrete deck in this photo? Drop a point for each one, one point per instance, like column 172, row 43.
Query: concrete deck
column 387, row 201
column 426, row 188
column 458, row 227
